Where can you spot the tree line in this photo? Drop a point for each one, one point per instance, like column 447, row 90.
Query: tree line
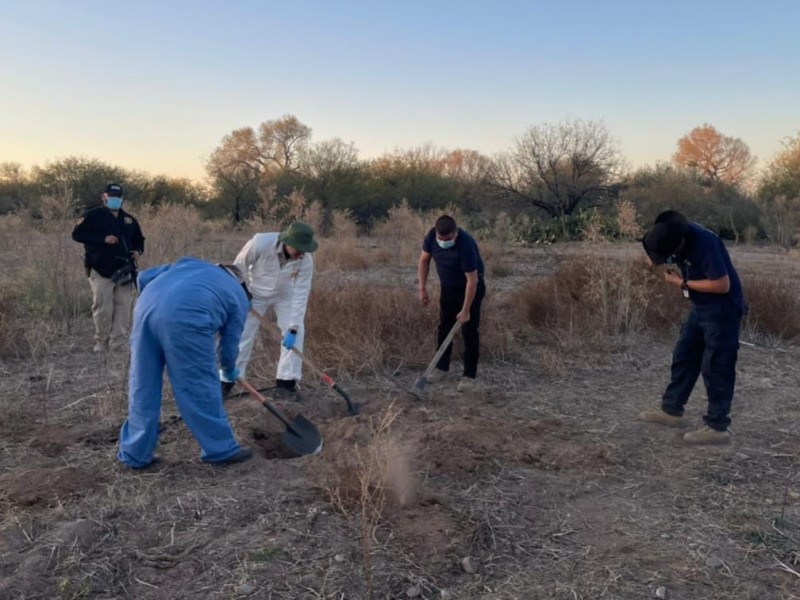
column 554, row 174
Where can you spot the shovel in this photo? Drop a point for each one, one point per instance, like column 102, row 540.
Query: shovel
column 352, row 407
column 301, row 437
column 419, row 388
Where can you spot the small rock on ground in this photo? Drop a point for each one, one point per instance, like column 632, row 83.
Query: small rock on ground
column 467, row 564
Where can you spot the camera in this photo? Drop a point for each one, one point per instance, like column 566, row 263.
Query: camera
column 125, row 274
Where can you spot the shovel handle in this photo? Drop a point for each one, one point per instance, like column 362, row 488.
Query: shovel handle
column 351, row 407
column 442, row 348
column 256, row 395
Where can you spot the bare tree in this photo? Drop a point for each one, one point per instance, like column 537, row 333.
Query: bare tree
column 715, row 157
column 245, row 162
column 236, row 166
column 282, row 140
column 561, row 168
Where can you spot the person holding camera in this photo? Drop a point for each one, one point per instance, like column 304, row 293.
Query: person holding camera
column 113, row 242
column 700, row 266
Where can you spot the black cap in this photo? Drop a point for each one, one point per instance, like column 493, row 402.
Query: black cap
column 114, row 190
column 665, row 237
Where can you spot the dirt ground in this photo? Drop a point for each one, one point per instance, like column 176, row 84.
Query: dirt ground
column 542, row 485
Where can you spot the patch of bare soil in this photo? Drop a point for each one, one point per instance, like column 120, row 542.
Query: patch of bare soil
column 542, row 486
column 47, row 486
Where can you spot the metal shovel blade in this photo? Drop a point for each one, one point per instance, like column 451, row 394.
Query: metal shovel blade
column 301, row 437
column 420, row 388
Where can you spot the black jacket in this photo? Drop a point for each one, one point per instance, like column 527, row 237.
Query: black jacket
column 91, row 231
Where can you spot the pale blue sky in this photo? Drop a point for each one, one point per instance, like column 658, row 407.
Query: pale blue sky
column 155, row 85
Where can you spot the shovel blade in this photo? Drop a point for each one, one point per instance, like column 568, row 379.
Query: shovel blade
column 302, row 438
column 419, row 389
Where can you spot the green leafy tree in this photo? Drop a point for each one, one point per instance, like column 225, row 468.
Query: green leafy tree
column 16, row 189
column 721, row 207
column 85, row 178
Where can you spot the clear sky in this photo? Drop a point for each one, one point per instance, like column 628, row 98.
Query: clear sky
column 155, row 84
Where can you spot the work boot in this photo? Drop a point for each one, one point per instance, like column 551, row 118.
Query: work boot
column 437, row 376
column 660, row 417
column 243, row 455
column 119, row 345
column 286, row 389
column 467, row 384
column 282, row 393
column 707, row 435
column 227, row 386
column 154, row 462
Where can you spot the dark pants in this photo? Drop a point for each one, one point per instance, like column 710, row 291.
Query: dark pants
column 450, row 303
column 708, row 344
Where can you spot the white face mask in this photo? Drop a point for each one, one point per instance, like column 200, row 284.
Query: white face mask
column 446, row 244
column 114, row 203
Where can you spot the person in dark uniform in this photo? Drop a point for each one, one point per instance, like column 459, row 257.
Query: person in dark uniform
column 460, row 268
column 113, row 241
column 699, row 265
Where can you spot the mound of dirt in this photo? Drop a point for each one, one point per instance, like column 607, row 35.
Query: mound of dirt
column 470, row 442
column 47, row 486
column 53, row 440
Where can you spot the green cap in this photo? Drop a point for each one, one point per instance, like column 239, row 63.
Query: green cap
column 300, row 237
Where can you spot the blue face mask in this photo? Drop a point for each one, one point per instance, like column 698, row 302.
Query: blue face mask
column 445, row 244
column 114, row 203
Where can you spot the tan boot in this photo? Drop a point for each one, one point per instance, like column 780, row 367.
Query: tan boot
column 707, row 435
column 437, row 376
column 467, row 385
column 659, row 416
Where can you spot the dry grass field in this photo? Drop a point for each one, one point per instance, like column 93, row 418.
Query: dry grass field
column 540, row 486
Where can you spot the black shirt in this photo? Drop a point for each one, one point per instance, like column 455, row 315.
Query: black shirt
column 705, row 257
column 91, row 231
column 452, row 263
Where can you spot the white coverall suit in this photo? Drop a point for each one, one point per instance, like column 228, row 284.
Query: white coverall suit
column 278, row 283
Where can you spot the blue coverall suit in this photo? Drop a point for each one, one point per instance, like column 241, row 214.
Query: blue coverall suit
column 181, row 308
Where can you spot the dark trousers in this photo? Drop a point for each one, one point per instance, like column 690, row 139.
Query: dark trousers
column 708, row 344
column 450, row 303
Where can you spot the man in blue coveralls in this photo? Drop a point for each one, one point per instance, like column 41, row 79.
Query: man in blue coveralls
column 700, row 266
column 181, row 308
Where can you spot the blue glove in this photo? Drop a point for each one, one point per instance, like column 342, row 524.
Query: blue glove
column 229, row 376
column 289, row 339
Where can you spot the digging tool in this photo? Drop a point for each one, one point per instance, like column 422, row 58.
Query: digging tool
column 352, row 407
column 301, row 437
column 419, row 387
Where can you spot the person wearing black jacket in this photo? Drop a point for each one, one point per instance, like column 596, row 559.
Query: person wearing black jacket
column 113, row 241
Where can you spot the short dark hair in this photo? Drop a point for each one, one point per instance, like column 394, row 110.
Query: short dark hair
column 445, row 225
column 665, row 236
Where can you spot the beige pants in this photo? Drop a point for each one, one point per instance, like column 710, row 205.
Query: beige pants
column 111, row 310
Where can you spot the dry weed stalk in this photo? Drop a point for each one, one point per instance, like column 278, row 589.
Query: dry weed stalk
column 170, row 231
column 384, row 479
column 628, row 220
column 402, row 231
